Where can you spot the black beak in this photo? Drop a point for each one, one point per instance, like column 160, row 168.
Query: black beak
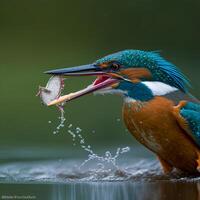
column 83, row 70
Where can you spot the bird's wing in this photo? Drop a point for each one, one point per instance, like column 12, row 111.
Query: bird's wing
column 188, row 117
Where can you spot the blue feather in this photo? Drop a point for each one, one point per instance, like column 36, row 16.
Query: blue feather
column 180, row 80
column 191, row 113
column 192, row 106
column 161, row 69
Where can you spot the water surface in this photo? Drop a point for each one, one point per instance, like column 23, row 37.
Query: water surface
column 51, row 174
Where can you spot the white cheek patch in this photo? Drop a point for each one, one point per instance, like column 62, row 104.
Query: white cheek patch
column 159, row 88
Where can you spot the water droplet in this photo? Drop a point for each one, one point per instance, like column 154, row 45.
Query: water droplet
column 62, row 120
column 82, row 141
column 108, row 154
column 125, row 150
column 71, row 133
column 78, row 129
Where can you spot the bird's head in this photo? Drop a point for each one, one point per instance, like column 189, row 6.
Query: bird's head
column 140, row 75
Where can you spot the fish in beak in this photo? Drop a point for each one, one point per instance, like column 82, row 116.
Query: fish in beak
column 104, row 79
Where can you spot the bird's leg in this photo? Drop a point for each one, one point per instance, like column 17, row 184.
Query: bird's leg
column 167, row 168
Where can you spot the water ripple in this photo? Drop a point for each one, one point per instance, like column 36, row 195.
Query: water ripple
column 63, row 171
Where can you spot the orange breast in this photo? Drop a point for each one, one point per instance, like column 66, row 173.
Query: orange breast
column 154, row 125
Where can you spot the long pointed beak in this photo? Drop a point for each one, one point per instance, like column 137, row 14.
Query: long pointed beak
column 103, row 80
column 83, row 70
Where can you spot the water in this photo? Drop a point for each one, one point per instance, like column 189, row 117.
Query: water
column 110, row 174
column 87, row 174
column 62, row 165
column 84, row 174
column 137, row 177
column 62, row 120
column 107, row 190
column 102, row 160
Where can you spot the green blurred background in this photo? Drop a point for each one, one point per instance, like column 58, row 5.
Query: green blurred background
column 38, row 35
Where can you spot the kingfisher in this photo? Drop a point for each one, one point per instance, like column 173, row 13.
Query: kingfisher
column 158, row 109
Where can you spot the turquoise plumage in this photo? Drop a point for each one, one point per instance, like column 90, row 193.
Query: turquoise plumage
column 191, row 113
column 192, row 106
column 161, row 69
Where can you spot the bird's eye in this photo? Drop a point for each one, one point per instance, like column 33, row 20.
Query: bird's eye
column 115, row 66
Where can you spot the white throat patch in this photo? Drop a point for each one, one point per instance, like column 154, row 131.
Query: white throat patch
column 159, row 88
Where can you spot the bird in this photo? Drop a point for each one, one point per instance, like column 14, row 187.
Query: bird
column 158, row 109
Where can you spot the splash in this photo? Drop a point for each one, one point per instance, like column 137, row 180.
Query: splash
column 107, row 159
column 62, row 120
